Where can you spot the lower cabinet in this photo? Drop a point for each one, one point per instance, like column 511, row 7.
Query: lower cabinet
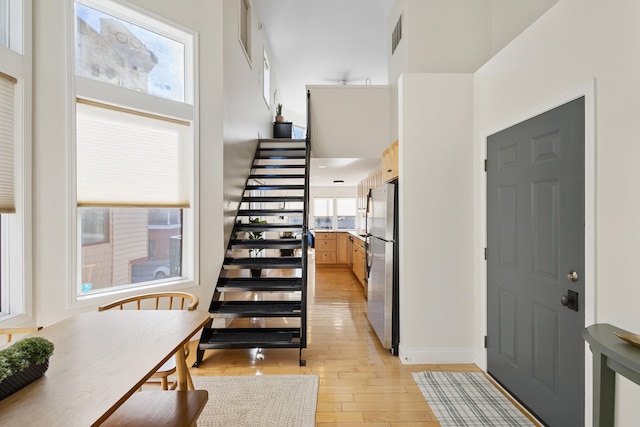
column 337, row 249
column 359, row 261
column 326, row 248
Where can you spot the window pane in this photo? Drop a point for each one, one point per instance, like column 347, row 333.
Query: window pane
column 95, row 226
column 266, row 79
column 4, row 23
column 111, row 50
column 135, row 251
column 245, row 27
column 323, row 207
column 346, row 213
column 7, row 149
column 322, row 214
column 11, row 25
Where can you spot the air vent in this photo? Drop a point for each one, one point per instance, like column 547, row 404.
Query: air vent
column 396, row 36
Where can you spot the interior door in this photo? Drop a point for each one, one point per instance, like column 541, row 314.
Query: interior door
column 535, row 263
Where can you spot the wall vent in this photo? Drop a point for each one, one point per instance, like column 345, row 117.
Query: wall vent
column 396, row 36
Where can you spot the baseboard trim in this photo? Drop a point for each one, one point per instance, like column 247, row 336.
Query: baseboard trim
column 419, row 356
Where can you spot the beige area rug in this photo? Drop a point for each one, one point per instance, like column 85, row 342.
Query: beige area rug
column 259, row 401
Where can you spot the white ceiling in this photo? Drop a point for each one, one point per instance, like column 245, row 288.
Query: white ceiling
column 351, row 171
column 324, row 42
column 321, row 42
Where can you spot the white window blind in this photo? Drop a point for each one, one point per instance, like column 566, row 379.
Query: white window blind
column 7, row 123
column 130, row 159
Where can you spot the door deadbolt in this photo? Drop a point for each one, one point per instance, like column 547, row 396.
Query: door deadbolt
column 573, row 276
column 570, row 300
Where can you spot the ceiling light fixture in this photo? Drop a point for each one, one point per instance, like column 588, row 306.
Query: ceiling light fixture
column 338, row 181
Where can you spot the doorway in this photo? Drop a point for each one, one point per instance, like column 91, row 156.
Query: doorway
column 536, row 262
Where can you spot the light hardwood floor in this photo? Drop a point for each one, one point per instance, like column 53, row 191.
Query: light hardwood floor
column 361, row 384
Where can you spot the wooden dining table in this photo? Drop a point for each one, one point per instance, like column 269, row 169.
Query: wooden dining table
column 100, row 359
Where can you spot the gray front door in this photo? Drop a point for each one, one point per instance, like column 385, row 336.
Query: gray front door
column 535, row 263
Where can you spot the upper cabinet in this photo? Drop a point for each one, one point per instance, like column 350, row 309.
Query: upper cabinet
column 390, row 162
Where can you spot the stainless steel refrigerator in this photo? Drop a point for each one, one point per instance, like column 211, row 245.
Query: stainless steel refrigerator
column 382, row 264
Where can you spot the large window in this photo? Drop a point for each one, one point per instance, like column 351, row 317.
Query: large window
column 135, row 121
column 334, row 213
column 15, row 157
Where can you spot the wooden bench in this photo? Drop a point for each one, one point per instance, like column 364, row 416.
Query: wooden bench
column 160, row 408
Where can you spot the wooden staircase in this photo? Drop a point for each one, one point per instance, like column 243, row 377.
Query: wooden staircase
column 264, row 273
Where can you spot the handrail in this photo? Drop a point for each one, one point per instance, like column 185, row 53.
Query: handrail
column 305, row 227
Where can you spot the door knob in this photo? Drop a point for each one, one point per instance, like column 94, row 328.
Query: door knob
column 564, row 300
column 573, row 276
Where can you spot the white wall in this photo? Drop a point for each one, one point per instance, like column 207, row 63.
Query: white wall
column 246, row 114
column 436, row 222
column 510, row 17
column 349, row 121
column 438, row 36
column 53, row 206
column 574, row 42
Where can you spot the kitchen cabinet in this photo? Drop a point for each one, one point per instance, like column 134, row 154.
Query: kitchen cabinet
column 342, row 248
column 326, row 248
column 359, row 261
column 332, row 249
column 390, row 162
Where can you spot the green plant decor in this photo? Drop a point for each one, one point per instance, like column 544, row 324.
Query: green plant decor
column 256, row 235
column 22, row 354
column 279, row 110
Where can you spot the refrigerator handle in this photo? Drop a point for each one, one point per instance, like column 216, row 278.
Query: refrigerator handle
column 366, row 212
column 367, row 255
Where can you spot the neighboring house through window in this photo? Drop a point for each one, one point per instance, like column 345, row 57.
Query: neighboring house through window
column 135, row 142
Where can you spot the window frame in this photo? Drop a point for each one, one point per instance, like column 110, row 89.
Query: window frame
column 92, row 90
column 16, row 284
column 334, row 210
column 266, row 77
column 244, row 28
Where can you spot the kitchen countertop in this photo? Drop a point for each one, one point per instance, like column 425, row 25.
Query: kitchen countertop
column 351, row 232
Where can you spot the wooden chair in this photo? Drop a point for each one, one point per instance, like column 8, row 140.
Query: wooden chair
column 160, row 301
column 10, row 332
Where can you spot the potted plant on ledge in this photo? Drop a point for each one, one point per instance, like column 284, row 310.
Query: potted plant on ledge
column 255, row 252
column 279, row 116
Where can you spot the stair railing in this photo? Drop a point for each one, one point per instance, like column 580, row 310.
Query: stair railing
column 305, row 228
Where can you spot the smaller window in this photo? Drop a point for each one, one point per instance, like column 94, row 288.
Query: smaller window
column 298, row 132
column 10, row 25
column 245, row 28
column 266, row 78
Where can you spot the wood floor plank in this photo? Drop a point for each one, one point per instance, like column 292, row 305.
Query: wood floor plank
column 361, row 384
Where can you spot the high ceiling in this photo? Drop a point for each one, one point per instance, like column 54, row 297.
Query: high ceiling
column 326, row 42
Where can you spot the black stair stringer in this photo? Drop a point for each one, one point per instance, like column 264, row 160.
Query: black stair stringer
column 264, row 272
